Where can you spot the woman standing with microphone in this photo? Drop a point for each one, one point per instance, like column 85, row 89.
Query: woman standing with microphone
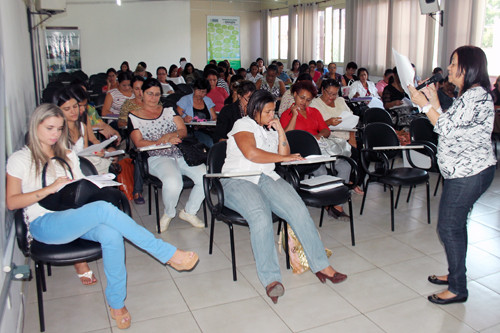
column 465, row 158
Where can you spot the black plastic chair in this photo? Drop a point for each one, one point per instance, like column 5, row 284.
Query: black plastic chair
column 215, row 161
column 305, row 144
column 422, row 132
column 378, row 115
column 79, row 250
column 156, row 184
column 383, row 135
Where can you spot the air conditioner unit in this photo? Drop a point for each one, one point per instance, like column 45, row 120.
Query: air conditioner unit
column 50, row 6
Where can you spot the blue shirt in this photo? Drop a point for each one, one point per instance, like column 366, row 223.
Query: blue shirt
column 186, row 103
column 284, row 77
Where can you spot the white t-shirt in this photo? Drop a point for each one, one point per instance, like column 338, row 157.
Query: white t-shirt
column 328, row 112
column 357, row 87
column 264, row 139
column 20, row 165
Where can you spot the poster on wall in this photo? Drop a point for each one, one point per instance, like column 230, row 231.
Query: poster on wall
column 63, row 50
column 223, row 39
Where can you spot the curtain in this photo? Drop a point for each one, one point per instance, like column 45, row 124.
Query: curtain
column 378, row 26
column 292, row 35
column 307, row 26
column 265, row 21
column 463, row 25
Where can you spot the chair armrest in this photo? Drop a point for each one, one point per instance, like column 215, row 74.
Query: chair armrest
column 427, row 151
column 354, row 169
column 291, row 175
column 368, row 155
column 213, row 184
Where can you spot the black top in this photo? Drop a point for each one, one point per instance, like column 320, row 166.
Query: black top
column 444, row 100
column 349, row 81
column 496, row 96
column 226, row 119
column 391, row 94
column 203, row 113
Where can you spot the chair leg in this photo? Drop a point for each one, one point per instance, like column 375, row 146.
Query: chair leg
column 397, row 197
column 149, row 197
column 233, row 255
column 351, row 221
column 437, row 184
column 364, row 197
column 39, row 294
column 391, row 188
column 157, row 207
column 409, row 194
column 428, row 202
column 279, row 227
column 49, row 270
column 42, row 276
column 212, row 227
column 287, row 253
column 321, row 216
column 205, row 213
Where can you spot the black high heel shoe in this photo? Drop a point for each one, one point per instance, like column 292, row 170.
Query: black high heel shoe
column 274, row 290
column 336, row 278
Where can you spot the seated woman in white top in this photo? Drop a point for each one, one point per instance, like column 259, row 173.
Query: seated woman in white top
column 161, row 75
column 363, row 87
column 116, row 97
column 97, row 221
column 154, row 125
column 253, row 146
column 173, row 75
column 254, row 74
column 78, row 134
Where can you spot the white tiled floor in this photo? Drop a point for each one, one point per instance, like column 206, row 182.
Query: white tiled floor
column 386, row 290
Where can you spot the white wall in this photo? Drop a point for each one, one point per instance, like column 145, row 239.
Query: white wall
column 250, row 35
column 17, row 101
column 157, row 33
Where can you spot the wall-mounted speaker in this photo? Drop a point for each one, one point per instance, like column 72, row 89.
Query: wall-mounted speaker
column 429, row 6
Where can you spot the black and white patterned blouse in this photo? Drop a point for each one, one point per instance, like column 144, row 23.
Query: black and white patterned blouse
column 153, row 129
column 464, row 147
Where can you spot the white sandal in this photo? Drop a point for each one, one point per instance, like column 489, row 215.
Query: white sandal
column 88, row 275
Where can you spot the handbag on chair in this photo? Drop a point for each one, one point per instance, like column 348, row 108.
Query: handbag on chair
column 72, row 195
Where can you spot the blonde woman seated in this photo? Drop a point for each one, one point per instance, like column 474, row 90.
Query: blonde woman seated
column 98, row 221
column 154, row 125
column 251, row 147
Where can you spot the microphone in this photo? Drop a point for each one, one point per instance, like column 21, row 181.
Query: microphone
column 433, row 79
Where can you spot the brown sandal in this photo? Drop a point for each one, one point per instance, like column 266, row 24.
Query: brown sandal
column 122, row 321
column 189, row 262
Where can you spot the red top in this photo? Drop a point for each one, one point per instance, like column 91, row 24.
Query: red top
column 313, row 124
column 218, row 95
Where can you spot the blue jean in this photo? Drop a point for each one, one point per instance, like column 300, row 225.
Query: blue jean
column 256, row 202
column 104, row 223
column 457, row 199
column 170, row 171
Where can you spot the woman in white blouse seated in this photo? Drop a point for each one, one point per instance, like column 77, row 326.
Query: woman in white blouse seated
column 255, row 143
column 154, row 125
column 363, row 87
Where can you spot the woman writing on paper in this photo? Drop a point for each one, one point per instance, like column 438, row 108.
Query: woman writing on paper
column 465, row 158
column 254, row 146
column 97, row 221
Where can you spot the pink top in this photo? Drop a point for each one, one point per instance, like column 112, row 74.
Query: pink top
column 380, row 86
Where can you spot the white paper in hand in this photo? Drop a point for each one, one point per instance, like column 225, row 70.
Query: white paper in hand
column 405, row 70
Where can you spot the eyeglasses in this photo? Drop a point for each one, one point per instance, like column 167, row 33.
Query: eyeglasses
column 330, row 94
column 151, row 94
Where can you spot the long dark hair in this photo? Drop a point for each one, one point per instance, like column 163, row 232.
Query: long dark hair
column 472, row 62
column 257, row 102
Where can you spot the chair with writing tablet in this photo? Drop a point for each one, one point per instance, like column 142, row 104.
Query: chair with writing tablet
column 381, row 144
column 214, row 190
column 305, row 144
